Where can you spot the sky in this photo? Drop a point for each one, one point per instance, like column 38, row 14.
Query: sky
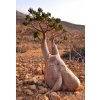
column 67, row 10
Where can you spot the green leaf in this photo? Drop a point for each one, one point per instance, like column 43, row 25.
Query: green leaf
column 57, row 20
column 64, row 30
column 36, row 34
column 53, row 19
column 27, row 17
column 43, row 15
column 49, row 20
column 48, row 14
column 30, row 10
column 40, row 10
column 59, row 27
column 25, row 22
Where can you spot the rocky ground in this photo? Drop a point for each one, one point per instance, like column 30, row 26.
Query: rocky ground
column 30, row 67
column 30, row 83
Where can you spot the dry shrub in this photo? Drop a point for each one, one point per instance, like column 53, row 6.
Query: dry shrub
column 18, row 28
column 79, row 54
column 23, row 47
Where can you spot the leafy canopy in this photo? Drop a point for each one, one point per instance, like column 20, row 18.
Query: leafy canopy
column 45, row 22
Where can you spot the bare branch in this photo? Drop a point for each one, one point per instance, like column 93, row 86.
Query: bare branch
column 58, row 34
column 77, row 52
column 41, row 27
column 49, row 30
column 35, row 27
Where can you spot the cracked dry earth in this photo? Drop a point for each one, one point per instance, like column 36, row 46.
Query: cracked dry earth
column 30, row 83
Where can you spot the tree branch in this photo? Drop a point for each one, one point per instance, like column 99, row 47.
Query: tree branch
column 77, row 52
column 37, row 28
column 49, row 30
column 34, row 27
column 58, row 33
column 41, row 27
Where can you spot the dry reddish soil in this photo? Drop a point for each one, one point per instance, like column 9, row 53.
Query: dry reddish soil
column 30, row 67
column 30, row 83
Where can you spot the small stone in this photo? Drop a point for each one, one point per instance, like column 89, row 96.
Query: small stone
column 33, row 87
column 19, row 92
column 27, row 98
column 27, row 91
column 39, row 70
column 42, row 89
column 54, row 96
column 40, row 82
column 77, row 93
column 58, row 93
column 53, row 93
column 44, row 85
column 35, row 80
column 38, row 78
column 19, row 98
column 20, row 82
column 41, row 97
column 69, row 93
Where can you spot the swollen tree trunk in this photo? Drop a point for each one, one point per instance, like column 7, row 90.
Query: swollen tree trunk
column 56, row 71
column 55, row 50
column 44, row 47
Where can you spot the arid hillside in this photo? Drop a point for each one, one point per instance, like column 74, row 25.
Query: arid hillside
column 19, row 17
column 30, row 66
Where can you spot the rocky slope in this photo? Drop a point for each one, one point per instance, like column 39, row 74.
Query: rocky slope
column 30, row 65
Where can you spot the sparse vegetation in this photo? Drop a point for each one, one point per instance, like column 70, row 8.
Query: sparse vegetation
column 76, row 54
column 43, row 23
column 30, row 65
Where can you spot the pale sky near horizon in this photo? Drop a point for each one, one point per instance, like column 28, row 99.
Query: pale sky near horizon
column 67, row 10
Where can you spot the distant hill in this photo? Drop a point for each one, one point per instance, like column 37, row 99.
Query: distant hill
column 19, row 17
column 73, row 26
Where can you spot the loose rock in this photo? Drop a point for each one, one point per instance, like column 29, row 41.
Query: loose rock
column 42, row 89
column 40, row 82
column 41, row 97
column 54, row 96
column 29, row 92
column 19, row 98
column 33, row 87
column 39, row 70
